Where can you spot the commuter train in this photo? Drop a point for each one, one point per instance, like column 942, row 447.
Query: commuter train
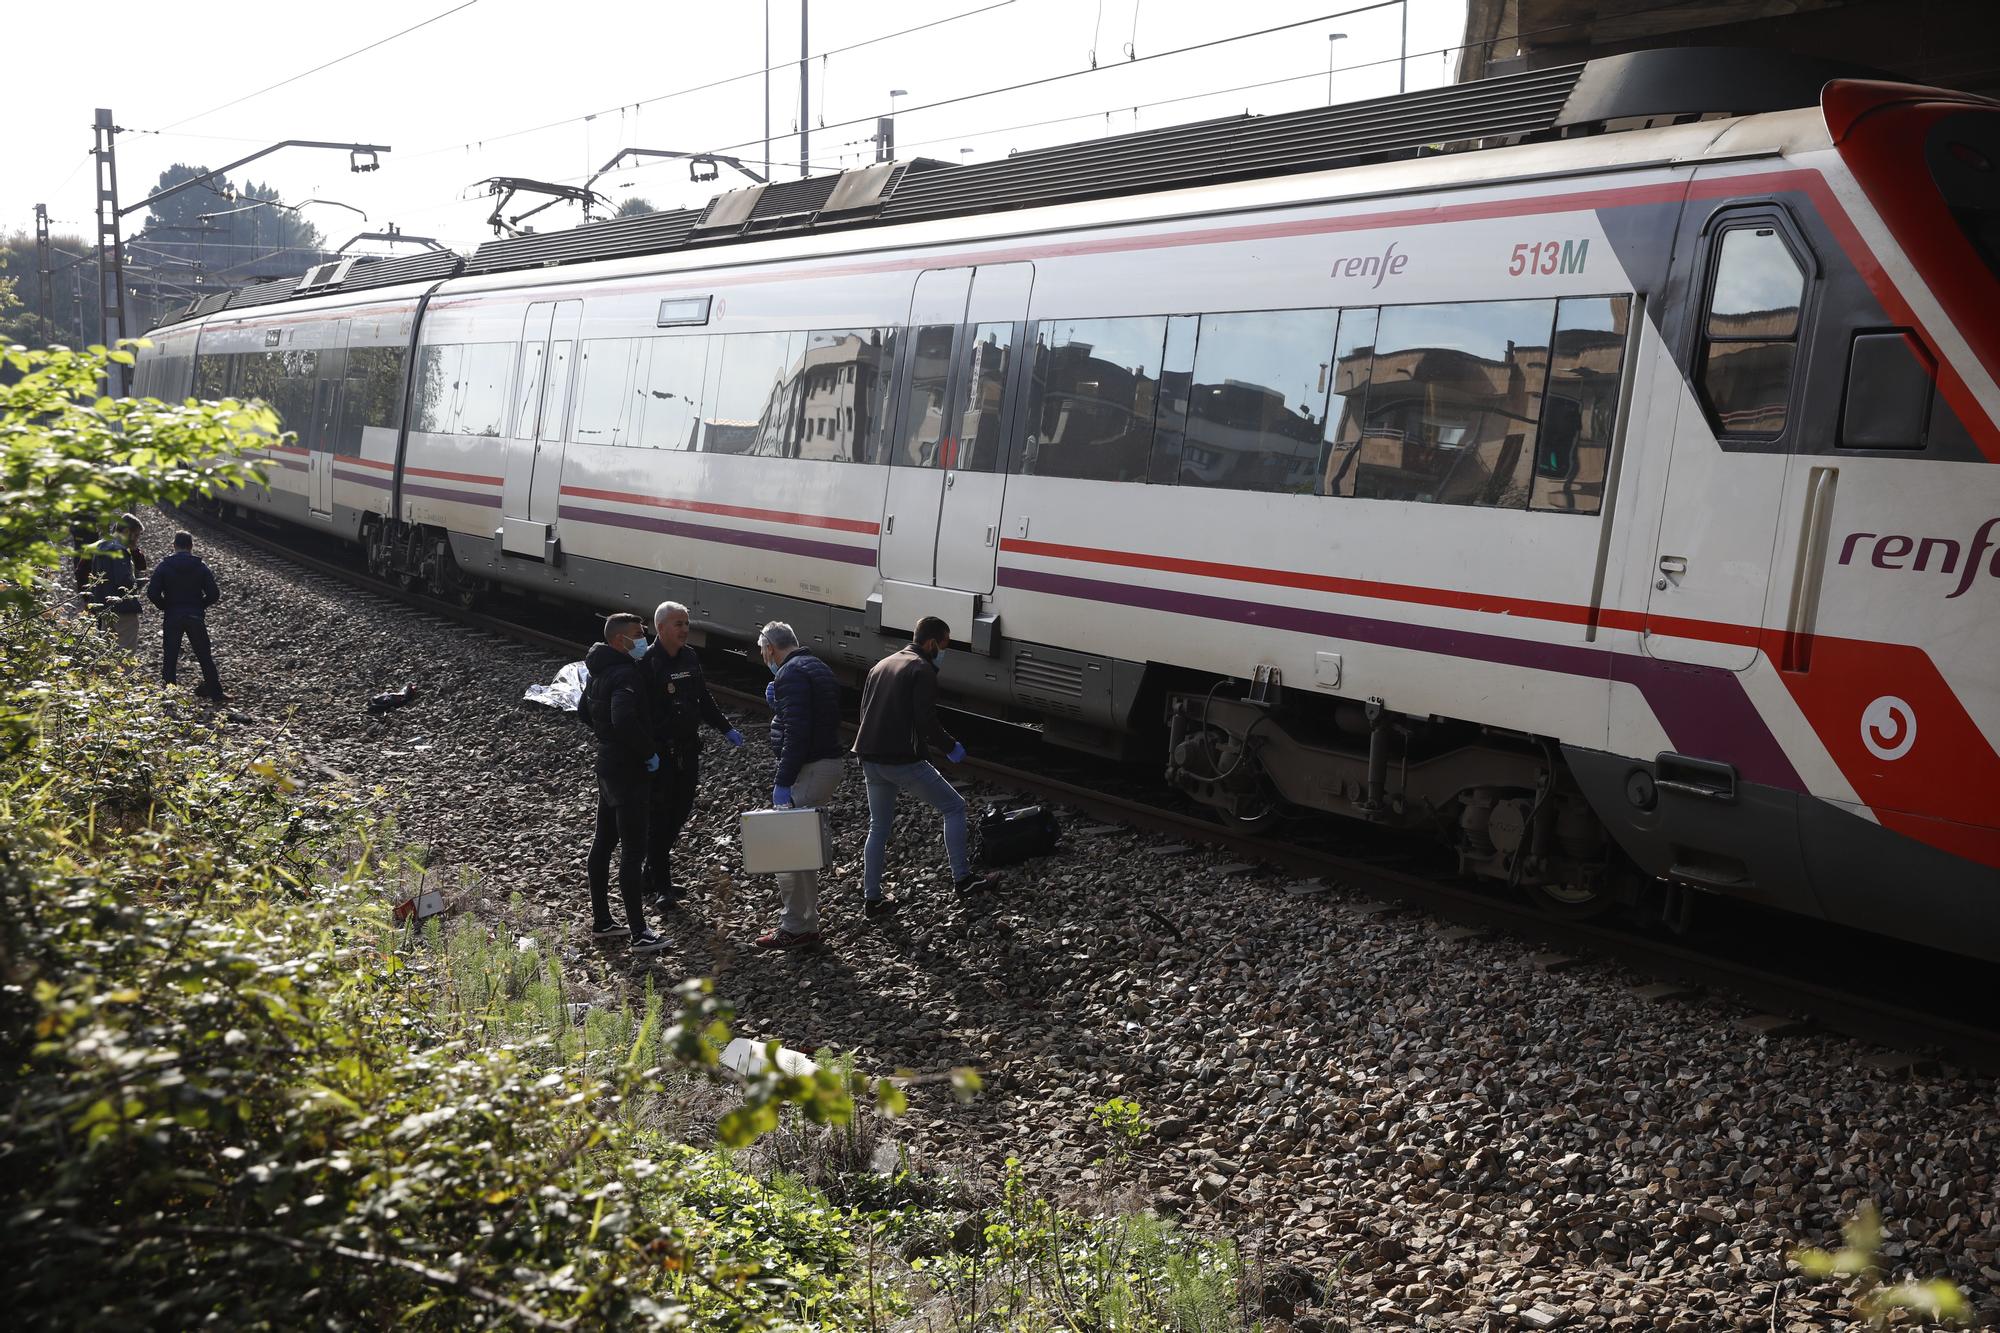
column 1597, row 483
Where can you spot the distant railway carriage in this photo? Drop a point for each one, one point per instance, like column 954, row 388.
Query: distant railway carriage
column 1619, row 506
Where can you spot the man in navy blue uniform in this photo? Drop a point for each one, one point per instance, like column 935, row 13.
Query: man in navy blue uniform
column 805, row 731
column 681, row 702
column 183, row 588
column 614, row 706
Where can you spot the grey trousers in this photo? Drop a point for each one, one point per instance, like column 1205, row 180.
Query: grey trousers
column 798, row 890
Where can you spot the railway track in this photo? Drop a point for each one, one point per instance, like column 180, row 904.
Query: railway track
column 1780, row 1002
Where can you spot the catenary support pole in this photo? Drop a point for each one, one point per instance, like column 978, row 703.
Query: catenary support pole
column 43, row 268
column 805, row 99
column 110, row 251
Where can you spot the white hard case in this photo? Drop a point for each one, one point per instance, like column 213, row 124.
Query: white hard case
column 775, row 841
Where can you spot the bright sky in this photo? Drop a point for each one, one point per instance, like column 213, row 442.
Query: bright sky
column 531, row 88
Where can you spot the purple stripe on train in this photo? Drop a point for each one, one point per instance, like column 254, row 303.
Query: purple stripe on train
column 764, row 541
column 1704, row 710
column 360, row 478
column 446, row 493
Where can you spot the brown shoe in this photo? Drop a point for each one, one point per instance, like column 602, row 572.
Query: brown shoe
column 788, row 939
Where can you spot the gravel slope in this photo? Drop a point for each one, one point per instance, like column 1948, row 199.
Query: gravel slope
column 1456, row 1139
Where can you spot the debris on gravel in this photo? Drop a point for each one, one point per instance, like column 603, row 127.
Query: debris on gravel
column 1403, row 1126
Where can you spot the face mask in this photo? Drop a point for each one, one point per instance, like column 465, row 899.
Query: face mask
column 639, row 647
column 771, row 665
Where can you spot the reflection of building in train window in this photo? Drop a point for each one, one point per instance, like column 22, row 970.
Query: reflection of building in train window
column 1580, row 409
column 1445, row 410
column 980, row 446
column 840, row 391
column 1257, row 407
column 1751, row 332
column 1092, row 398
column 922, row 441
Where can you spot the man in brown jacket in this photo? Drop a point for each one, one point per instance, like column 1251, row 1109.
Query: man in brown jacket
column 898, row 729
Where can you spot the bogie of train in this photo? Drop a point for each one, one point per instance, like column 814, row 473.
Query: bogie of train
column 1615, row 507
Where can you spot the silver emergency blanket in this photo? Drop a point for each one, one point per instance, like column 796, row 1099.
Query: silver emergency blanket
column 562, row 693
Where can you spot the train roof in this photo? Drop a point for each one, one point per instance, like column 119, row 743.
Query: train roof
column 1641, row 90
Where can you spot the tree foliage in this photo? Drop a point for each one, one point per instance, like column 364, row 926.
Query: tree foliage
column 68, row 455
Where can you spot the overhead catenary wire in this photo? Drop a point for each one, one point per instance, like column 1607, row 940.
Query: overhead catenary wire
column 381, row 41
column 758, row 73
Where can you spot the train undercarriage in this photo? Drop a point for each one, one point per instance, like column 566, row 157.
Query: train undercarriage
column 418, row 556
column 1503, row 802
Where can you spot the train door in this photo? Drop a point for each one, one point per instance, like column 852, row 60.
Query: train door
column 1720, row 506
column 922, row 443
column 975, row 477
column 322, row 427
column 531, row 482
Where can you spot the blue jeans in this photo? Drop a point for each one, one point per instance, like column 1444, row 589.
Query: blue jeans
column 885, row 782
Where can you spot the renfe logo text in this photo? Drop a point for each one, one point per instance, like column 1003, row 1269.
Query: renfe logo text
column 1361, row 266
column 1894, row 551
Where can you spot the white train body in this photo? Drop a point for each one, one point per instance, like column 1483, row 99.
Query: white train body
column 1704, row 571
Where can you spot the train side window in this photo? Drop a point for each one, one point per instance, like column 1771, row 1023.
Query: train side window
column 482, row 407
column 604, row 406
column 1751, row 331
column 673, row 393
column 437, row 386
column 981, row 446
column 293, row 378
column 1347, row 405
column 840, row 394
column 922, row 441
column 1257, row 408
column 374, row 395
column 1580, row 409
column 1092, row 398
column 211, row 377
column 747, row 412
column 1453, row 401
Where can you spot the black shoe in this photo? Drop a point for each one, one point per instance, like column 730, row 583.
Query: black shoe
column 977, row 883
column 662, row 902
column 880, row 909
column 606, row 931
column 648, row 942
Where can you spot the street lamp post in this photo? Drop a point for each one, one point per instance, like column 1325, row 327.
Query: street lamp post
column 1331, row 38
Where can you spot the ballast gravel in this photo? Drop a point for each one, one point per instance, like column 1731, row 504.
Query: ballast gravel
column 1439, row 1133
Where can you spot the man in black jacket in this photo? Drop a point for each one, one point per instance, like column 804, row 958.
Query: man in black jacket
column 898, row 729
column 805, row 730
column 677, row 693
column 614, row 706
column 183, row 588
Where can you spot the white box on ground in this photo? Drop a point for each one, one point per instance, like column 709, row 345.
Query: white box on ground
column 776, row 841
column 746, row 1057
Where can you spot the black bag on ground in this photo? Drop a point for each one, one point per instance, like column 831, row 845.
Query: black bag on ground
column 1009, row 837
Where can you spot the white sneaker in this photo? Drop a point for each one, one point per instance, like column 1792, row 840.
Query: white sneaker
column 649, row 942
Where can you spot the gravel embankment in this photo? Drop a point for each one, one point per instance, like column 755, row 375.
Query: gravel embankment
column 1453, row 1138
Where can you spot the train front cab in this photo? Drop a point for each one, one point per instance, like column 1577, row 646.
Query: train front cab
column 1839, row 339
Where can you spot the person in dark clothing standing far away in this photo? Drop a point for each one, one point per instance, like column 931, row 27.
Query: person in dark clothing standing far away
column 183, row 589
column 112, row 584
column 805, row 731
column 677, row 693
column 614, row 706
column 898, row 727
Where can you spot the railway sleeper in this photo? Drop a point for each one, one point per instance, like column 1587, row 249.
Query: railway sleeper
column 1505, row 803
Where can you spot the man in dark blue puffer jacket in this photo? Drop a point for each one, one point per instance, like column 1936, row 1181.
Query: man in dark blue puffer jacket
column 805, row 731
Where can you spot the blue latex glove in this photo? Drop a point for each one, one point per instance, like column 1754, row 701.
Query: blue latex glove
column 653, row 764
column 957, row 755
column 771, row 695
column 781, row 796
column 734, row 737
